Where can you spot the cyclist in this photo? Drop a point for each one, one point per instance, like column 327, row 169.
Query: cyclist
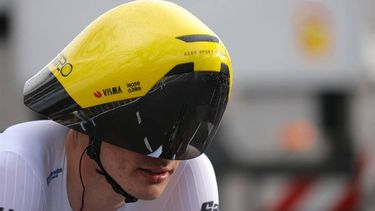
column 134, row 101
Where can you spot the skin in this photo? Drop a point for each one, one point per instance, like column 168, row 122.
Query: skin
column 129, row 169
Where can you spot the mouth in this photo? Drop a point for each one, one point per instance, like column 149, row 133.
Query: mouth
column 155, row 175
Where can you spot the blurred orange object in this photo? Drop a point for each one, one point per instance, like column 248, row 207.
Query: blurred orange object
column 298, row 136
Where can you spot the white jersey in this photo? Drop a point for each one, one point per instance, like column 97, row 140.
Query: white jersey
column 33, row 175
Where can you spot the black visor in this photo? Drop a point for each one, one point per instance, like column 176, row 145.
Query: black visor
column 175, row 120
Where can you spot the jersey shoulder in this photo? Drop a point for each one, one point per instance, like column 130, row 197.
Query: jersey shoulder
column 29, row 154
column 39, row 143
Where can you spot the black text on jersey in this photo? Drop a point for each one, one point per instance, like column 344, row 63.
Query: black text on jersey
column 210, row 206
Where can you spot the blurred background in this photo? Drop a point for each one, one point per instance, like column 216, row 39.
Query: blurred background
column 299, row 132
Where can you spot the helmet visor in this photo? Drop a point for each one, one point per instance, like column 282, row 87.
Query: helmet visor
column 177, row 119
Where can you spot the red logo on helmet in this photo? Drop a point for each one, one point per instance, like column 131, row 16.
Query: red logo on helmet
column 97, row 94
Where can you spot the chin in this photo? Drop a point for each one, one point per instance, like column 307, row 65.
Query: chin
column 151, row 194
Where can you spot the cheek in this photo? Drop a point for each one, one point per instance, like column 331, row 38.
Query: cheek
column 115, row 161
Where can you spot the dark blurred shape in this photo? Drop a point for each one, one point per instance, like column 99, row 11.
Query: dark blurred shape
column 335, row 121
column 4, row 25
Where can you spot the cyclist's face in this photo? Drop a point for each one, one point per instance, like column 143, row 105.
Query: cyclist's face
column 142, row 176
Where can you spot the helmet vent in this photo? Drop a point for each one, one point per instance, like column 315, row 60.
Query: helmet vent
column 198, row 38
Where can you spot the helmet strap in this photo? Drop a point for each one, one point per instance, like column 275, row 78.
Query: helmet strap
column 93, row 152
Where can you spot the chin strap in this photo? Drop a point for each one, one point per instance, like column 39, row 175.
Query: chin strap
column 93, row 152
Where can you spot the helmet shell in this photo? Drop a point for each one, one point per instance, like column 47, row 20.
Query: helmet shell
column 120, row 57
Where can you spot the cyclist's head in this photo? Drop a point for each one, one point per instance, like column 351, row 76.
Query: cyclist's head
column 147, row 76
